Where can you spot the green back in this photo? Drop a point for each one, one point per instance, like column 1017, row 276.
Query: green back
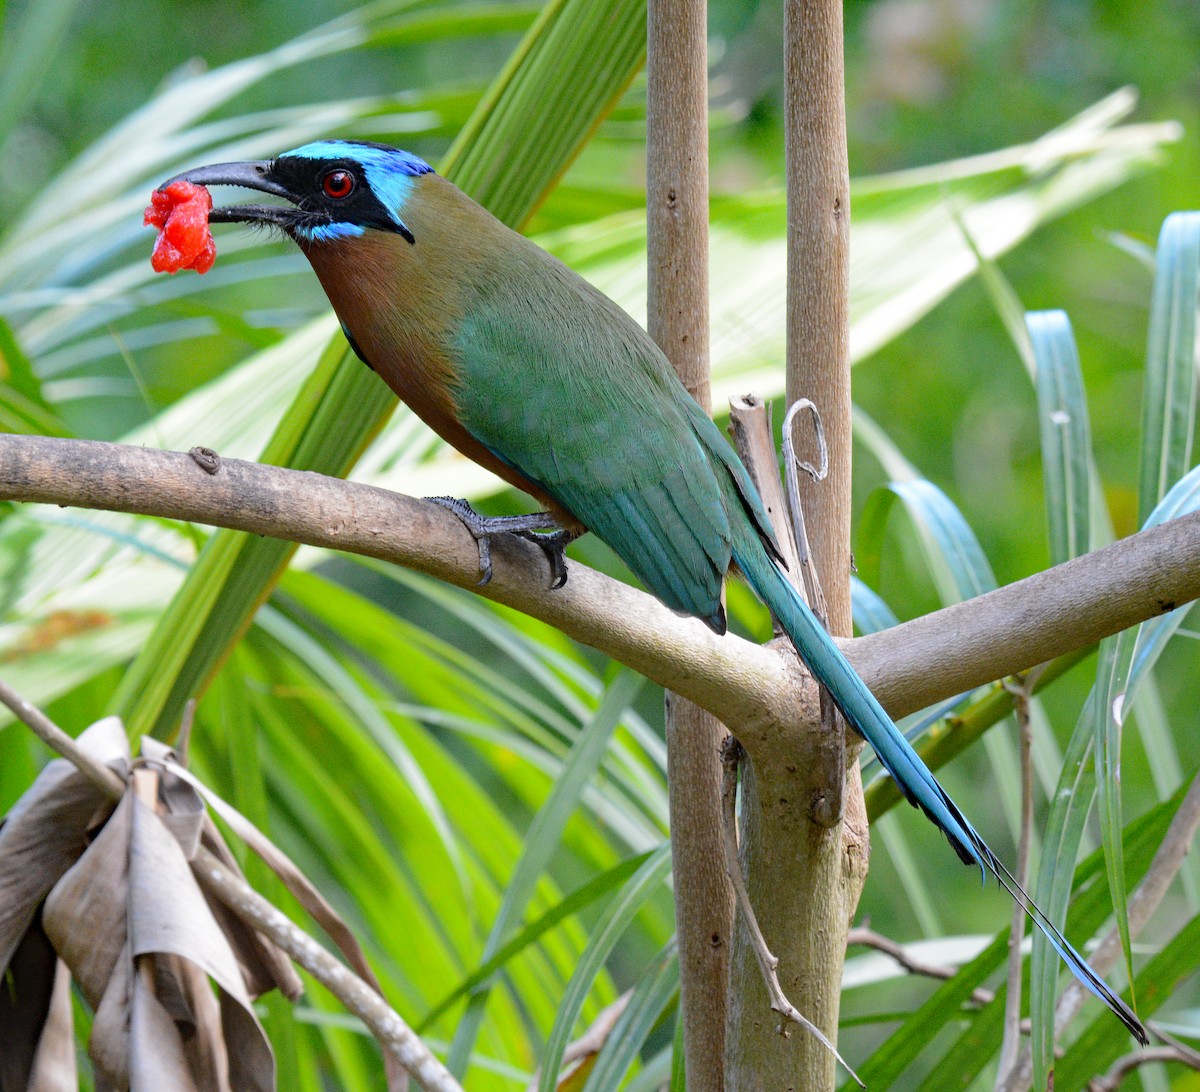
column 561, row 384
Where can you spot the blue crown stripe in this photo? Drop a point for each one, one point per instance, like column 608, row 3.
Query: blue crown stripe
column 371, row 156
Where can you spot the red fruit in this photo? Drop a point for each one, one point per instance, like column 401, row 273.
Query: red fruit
column 180, row 212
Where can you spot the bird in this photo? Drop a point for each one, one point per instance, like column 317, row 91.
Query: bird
column 525, row 367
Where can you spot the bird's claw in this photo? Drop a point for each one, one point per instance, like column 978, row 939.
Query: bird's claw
column 484, row 528
column 484, row 543
column 554, row 545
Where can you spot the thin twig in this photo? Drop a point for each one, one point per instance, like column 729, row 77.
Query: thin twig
column 234, row 893
column 1145, row 899
column 105, row 779
column 385, row 1023
column 1142, row 904
column 1189, row 1054
column 592, row 1040
column 1123, row 1066
column 868, row 938
column 1021, row 688
column 731, row 757
column 792, row 464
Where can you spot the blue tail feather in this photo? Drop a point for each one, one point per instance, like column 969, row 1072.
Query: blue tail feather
column 914, row 779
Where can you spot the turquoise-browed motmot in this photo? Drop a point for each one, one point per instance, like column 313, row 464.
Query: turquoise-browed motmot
column 526, row 368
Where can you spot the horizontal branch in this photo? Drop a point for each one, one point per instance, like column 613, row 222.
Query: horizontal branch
column 758, row 687
column 733, row 678
column 1044, row 616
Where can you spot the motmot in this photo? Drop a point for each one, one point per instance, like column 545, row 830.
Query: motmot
column 523, row 366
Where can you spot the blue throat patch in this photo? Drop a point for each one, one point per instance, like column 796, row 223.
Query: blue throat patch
column 389, row 173
column 328, row 233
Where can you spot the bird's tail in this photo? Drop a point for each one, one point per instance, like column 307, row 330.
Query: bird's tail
column 861, row 710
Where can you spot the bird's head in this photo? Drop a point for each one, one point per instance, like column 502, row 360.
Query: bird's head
column 336, row 188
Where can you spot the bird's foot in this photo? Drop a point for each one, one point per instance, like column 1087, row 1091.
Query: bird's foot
column 554, row 545
column 485, row 528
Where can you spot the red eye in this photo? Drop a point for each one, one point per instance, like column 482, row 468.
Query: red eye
column 338, row 184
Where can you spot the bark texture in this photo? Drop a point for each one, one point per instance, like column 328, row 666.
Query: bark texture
column 806, row 863
column 677, row 256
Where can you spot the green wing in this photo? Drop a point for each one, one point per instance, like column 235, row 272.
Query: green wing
column 565, row 387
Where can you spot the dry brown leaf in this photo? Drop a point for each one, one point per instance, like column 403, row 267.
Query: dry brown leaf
column 108, row 1046
column 31, row 1017
column 263, row 965
column 84, row 915
column 130, row 921
column 24, row 1002
column 54, row 1068
column 157, row 1056
column 299, row 885
column 169, row 915
column 42, row 836
column 46, row 831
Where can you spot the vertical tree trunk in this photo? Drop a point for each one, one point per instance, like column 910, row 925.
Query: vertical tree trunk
column 805, row 864
column 818, row 320
column 677, row 225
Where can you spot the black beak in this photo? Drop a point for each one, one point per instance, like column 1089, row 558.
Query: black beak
column 254, row 175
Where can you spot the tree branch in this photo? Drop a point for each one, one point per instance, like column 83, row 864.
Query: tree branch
column 908, row 667
column 805, row 894
column 316, row 510
column 1127, row 1064
column 867, row 938
column 1016, row 627
column 677, row 310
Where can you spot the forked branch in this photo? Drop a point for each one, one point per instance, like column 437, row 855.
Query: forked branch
column 908, row 667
